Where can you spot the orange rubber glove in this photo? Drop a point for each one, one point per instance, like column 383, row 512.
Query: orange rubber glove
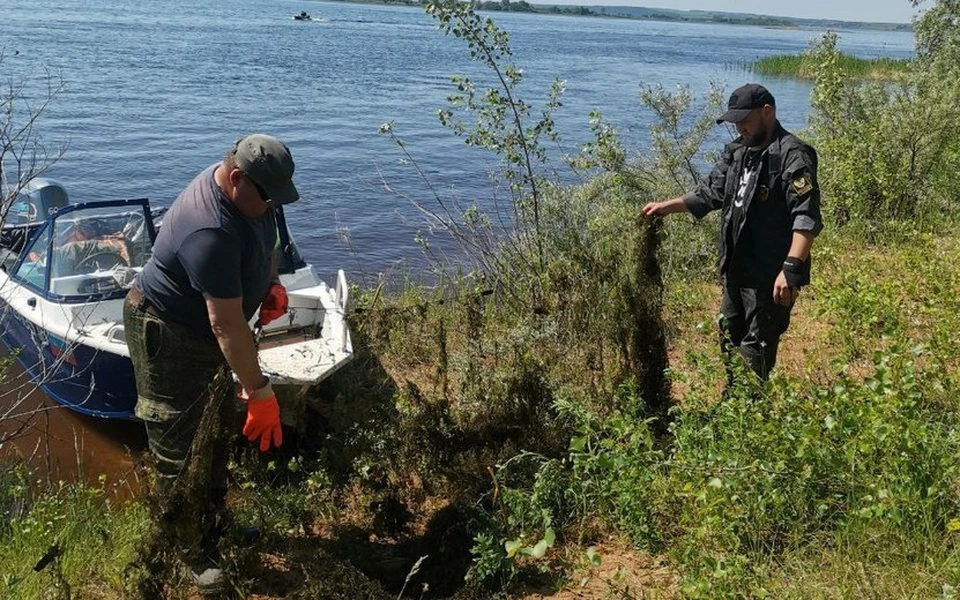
column 274, row 304
column 263, row 418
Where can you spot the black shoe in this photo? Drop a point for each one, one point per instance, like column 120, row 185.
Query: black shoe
column 249, row 536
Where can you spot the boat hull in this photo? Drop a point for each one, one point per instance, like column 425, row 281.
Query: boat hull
column 89, row 380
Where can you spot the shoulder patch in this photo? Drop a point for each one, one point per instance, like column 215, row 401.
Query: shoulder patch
column 801, row 185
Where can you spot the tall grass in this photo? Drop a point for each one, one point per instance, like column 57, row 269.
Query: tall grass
column 803, row 66
column 65, row 540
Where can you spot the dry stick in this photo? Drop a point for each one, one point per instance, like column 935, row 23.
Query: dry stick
column 46, row 439
column 721, row 470
column 78, row 441
column 476, row 247
column 413, row 571
column 480, row 248
column 373, row 302
column 498, row 499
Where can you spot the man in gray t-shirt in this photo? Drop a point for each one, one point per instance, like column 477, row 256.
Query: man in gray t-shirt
column 210, row 249
column 186, row 316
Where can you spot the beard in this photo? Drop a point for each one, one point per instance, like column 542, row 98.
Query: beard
column 758, row 137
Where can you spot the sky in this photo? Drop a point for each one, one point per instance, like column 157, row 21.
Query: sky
column 885, row 11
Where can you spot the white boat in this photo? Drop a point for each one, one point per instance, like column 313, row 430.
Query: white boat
column 63, row 280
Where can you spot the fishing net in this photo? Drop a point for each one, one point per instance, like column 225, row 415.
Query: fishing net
column 188, row 513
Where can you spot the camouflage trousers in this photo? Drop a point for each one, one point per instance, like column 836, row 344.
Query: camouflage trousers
column 175, row 370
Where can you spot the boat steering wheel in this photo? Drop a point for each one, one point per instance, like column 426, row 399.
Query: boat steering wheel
column 104, row 260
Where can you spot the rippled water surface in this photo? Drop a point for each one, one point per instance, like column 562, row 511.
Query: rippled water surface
column 155, row 91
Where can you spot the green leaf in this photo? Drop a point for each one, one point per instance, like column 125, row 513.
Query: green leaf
column 550, row 537
column 512, row 547
column 539, row 550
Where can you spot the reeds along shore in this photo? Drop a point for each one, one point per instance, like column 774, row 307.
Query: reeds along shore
column 804, row 67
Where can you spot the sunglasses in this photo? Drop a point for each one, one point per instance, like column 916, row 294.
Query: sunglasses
column 262, row 193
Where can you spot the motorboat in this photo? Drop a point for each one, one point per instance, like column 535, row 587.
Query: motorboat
column 65, row 270
column 303, row 16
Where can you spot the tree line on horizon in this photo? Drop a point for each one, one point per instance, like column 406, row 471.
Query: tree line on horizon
column 642, row 13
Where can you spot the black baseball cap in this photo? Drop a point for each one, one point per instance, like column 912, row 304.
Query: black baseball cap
column 745, row 99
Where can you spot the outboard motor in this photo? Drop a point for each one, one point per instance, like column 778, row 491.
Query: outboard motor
column 40, row 198
column 26, row 211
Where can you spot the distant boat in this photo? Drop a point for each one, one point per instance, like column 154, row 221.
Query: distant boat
column 303, row 16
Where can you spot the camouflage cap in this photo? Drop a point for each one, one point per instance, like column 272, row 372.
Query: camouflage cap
column 267, row 161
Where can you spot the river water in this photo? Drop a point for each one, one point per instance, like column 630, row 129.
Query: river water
column 156, row 91
column 61, row 445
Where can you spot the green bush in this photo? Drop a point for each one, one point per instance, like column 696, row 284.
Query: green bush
column 775, row 469
column 886, row 150
column 614, row 464
column 606, row 475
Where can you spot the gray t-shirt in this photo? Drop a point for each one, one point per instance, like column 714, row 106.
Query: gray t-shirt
column 206, row 247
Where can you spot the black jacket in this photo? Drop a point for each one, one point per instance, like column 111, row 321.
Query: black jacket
column 755, row 234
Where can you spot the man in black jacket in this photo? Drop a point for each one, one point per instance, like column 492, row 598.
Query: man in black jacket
column 765, row 184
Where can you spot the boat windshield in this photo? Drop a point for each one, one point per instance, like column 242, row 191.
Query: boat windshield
column 33, row 269
column 93, row 250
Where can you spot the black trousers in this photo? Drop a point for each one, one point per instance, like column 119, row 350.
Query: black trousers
column 753, row 323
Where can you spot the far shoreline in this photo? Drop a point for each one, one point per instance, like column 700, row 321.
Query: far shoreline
column 661, row 15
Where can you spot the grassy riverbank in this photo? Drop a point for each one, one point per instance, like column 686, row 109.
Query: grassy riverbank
column 838, row 480
column 556, row 421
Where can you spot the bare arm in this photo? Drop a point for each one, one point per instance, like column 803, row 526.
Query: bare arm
column 236, row 340
column 674, row 205
column 800, row 244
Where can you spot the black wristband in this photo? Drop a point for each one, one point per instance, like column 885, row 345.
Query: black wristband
column 792, row 265
column 796, row 271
